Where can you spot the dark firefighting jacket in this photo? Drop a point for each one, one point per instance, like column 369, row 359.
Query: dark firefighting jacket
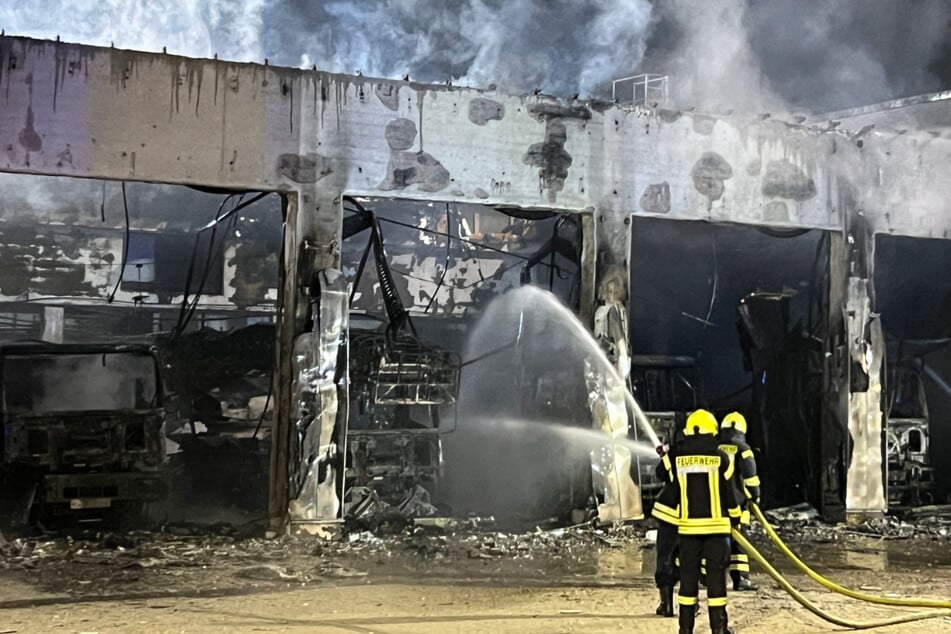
column 662, row 509
column 733, row 443
column 703, row 498
column 669, row 493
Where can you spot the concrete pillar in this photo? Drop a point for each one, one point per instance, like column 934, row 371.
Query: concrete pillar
column 308, row 449
column 834, row 441
column 865, row 490
column 286, row 330
column 611, row 464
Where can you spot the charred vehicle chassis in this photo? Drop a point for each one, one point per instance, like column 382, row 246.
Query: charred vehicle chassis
column 83, row 430
column 398, row 383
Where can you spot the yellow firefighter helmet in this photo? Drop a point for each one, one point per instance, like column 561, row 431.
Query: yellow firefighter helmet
column 735, row 420
column 701, row 422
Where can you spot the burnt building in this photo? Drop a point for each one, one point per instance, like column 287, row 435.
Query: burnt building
column 314, row 204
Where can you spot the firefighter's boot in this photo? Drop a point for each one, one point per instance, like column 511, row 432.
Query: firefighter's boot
column 686, row 619
column 666, row 607
column 718, row 621
column 742, row 583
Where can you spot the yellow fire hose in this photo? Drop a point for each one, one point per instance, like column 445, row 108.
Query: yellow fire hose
column 822, row 614
column 861, row 596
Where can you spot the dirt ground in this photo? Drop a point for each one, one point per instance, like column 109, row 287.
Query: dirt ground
column 536, row 583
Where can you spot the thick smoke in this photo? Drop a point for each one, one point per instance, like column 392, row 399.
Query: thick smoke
column 196, row 28
column 709, row 58
column 80, row 382
column 559, row 46
column 848, row 53
column 763, row 55
column 754, row 55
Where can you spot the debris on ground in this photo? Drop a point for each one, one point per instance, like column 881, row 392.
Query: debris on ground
column 797, row 513
column 219, row 559
column 801, row 523
column 200, row 560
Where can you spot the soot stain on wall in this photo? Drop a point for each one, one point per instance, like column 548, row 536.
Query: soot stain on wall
column 406, row 167
column 47, row 261
column 709, row 173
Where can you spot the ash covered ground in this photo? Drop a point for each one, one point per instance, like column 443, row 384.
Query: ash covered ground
column 184, row 560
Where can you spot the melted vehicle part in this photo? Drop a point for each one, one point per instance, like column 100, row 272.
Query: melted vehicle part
column 910, row 475
column 398, row 383
column 409, row 372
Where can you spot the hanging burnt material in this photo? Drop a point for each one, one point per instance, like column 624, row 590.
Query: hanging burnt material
column 402, row 370
column 320, row 384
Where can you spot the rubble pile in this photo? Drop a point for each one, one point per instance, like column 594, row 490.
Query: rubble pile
column 439, row 538
column 802, row 524
column 188, row 560
column 102, row 563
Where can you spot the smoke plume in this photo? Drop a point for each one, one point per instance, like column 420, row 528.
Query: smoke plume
column 720, row 54
column 762, row 55
column 559, row 46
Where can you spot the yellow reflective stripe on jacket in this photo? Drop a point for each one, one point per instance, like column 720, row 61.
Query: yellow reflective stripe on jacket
column 716, row 517
column 665, row 513
column 745, row 517
column 752, row 482
column 704, row 526
column 713, row 481
column 685, row 508
column 747, row 454
column 670, row 470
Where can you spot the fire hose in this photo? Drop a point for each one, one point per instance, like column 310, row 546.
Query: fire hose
column 861, row 596
column 827, row 616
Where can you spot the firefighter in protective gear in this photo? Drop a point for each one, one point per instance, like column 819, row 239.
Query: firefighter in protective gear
column 705, row 497
column 747, row 487
column 666, row 569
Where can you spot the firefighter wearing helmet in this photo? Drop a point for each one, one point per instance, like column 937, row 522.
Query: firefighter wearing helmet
column 746, row 485
column 708, row 509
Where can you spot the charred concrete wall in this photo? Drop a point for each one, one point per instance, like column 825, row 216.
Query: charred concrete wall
column 91, row 112
column 86, row 111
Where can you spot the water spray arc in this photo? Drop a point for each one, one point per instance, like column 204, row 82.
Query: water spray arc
column 550, row 303
column 581, row 334
column 532, row 376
